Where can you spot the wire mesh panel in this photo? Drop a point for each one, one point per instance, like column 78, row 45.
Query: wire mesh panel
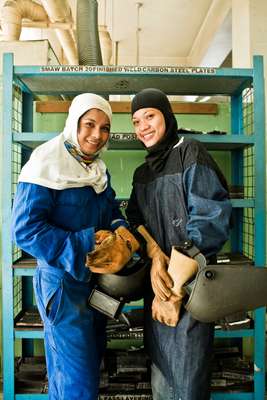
column 16, row 149
column 248, row 129
column 17, row 287
column 16, row 167
column 248, row 232
column 248, row 175
column 248, row 112
column 17, row 109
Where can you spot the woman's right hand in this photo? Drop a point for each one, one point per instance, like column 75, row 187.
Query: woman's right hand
column 160, row 279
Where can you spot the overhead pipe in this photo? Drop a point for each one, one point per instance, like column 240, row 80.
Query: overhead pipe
column 105, row 44
column 47, row 24
column 12, row 13
column 89, row 50
column 59, row 11
column 104, row 36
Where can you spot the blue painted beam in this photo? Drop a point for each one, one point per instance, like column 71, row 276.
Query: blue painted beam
column 7, row 272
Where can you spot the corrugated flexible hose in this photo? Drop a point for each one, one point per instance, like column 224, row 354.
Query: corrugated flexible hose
column 89, row 51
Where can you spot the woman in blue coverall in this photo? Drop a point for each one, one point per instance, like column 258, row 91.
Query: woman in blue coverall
column 63, row 201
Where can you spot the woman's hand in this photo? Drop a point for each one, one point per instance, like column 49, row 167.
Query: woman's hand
column 102, row 235
column 113, row 252
column 109, row 257
column 160, row 279
column 166, row 312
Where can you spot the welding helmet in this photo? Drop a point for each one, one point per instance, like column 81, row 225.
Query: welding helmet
column 129, row 282
column 112, row 291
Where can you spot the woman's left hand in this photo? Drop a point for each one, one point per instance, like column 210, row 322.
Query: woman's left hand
column 166, row 312
column 101, row 235
column 113, row 252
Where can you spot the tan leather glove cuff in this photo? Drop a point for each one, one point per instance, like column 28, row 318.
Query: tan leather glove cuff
column 153, row 248
column 126, row 235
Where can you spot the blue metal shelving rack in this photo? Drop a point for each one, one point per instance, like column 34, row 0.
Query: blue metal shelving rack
column 246, row 140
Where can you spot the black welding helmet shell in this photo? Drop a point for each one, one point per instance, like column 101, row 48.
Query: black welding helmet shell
column 129, row 283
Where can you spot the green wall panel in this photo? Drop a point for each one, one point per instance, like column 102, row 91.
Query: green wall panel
column 49, row 122
column 220, row 121
column 121, row 164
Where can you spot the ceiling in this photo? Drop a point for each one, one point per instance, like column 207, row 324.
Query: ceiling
column 151, row 32
column 156, row 32
column 169, row 32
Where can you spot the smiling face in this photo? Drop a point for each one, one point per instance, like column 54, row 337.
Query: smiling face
column 93, row 131
column 149, row 125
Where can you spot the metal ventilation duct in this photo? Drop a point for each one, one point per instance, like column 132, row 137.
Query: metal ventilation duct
column 12, row 13
column 89, row 51
column 59, row 11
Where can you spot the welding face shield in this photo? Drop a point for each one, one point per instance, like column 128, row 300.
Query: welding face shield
column 219, row 291
column 112, row 291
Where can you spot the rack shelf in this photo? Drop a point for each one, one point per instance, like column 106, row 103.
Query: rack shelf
column 70, row 80
column 212, row 142
column 128, row 80
column 29, row 334
column 214, row 396
column 38, row 333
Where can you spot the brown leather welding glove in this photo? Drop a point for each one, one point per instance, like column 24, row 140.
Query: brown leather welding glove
column 160, row 279
column 101, row 235
column 182, row 269
column 166, row 312
column 113, row 252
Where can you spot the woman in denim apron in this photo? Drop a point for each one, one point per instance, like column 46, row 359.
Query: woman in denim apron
column 178, row 194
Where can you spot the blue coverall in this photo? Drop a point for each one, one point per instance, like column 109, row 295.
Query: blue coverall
column 57, row 228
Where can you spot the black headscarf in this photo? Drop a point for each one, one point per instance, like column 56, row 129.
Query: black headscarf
column 159, row 152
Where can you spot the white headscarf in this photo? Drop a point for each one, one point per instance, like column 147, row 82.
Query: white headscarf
column 52, row 166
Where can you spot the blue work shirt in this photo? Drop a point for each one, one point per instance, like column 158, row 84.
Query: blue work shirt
column 57, row 226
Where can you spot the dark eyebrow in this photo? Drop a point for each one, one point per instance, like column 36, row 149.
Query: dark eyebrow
column 149, row 112
column 88, row 119
column 145, row 113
